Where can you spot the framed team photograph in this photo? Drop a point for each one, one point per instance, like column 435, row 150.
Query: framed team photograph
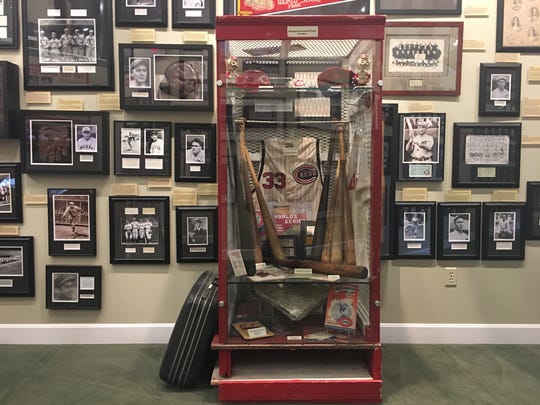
column 73, row 287
column 503, row 235
column 458, row 230
column 166, row 77
column 422, row 58
column 312, row 7
column 486, row 155
column 67, row 45
column 17, row 266
column 197, row 233
column 418, row 7
column 9, row 24
column 72, row 222
column 518, row 27
column 139, row 230
column 11, row 207
column 193, row 14
column 141, row 13
column 195, row 153
column 499, row 93
column 68, row 142
column 415, row 230
column 532, row 219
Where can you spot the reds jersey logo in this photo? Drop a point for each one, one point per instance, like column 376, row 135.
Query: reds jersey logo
column 305, row 174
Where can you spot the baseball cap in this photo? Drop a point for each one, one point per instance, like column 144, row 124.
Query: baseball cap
column 86, row 129
column 336, row 76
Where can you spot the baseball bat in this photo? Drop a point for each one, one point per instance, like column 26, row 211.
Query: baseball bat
column 336, row 241
column 346, row 270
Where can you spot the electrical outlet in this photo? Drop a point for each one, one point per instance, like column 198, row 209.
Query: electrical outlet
column 451, row 278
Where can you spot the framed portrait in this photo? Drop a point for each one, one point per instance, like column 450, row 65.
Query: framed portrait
column 11, row 207
column 193, row 14
column 486, row 155
column 518, row 28
column 306, row 7
column 68, row 142
column 17, row 266
column 139, row 230
column 195, row 153
column 458, row 230
column 422, row 58
column 9, row 24
column 197, row 234
column 166, row 77
column 415, row 230
column 142, row 148
column 418, row 7
column 421, row 146
column 72, row 222
column 499, row 93
column 67, row 45
column 503, row 235
column 141, row 13
column 73, row 287
column 532, row 219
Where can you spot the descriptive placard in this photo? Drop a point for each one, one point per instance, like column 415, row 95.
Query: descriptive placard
column 9, row 230
column 195, row 36
column 207, row 189
column 473, row 45
column 530, row 107
column 421, row 107
column 143, row 35
column 160, row 183
column 70, row 104
column 475, row 12
column 184, row 196
column 459, row 195
column 108, row 102
column 504, row 195
column 124, row 189
column 38, row 97
column 507, row 57
column 35, row 199
column 415, row 194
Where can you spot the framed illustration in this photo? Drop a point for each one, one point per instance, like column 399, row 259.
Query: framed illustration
column 68, row 142
column 486, row 155
column 166, row 77
column 73, row 287
column 193, row 14
column 141, row 13
column 142, row 148
column 421, row 146
column 67, row 45
column 11, row 207
column 503, row 235
column 415, row 230
column 517, row 26
column 195, row 153
column 197, row 234
column 499, row 93
column 532, row 219
column 9, row 24
column 418, row 7
column 306, row 7
column 139, row 230
column 458, row 230
column 17, row 266
column 72, row 222
column 391, row 133
column 422, row 58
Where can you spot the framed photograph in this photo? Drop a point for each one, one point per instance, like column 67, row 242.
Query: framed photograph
column 518, row 28
column 141, row 13
column 306, row 7
column 166, row 77
column 9, row 24
column 499, row 93
column 486, row 155
column 458, row 230
column 305, row 239
column 418, row 7
column 17, row 266
column 415, row 230
column 533, row 211
column 67, row 45
column 193, row 14
column 11, row 207
column 142, row 148
column 503, row 235
column 197, row 234
column 195, row 153
column 421, row 146
column 73, row 287
column 422, row 58
column 139, row 230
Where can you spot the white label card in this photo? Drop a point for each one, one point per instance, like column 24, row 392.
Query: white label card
column 237, row 263
column 140, row 94
column 197, row 250
column 54, row 12
column 195, row 168
column 257, row 332
column 149, row 211
column 193, row 13
column 86, row 158
column 130, row 250
column 131, row 163
column 79, row 12
column 140, row 11
column 458, row 246
column 87, row 283
column 86, row 69
column 153, row 164
column 131, row 211
column 503, row 246
column 86, row 296
column 6, row 283
column 50, row 69
column 303, row 31
column 149, row 250
column 3, row 20
column 3, row 32
column 72, row 246
column 414, row 245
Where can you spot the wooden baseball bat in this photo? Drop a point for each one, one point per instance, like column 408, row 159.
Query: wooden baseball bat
column 346, row 270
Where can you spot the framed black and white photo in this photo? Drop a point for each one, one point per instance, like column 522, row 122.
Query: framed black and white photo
column 141, row 13
column 415, row 230
column 391, row 133
column 418, row 7
column 166, row 77
column 139, row 230
column 458, row 229
column 68, row 45
column 486, row 155
column 193, row 14
column 73, row 287
column 517, row 26
column 197, row 233
column 532, row 220
column 195, row 153
column 499, row 93
column 72, row 222
column 9, row 24
column 503, row 235
column 11, row 208
column 17, row 266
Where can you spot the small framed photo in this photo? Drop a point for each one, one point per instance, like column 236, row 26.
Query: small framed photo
column 139, row 230
column 503, row 235
column 193, row 14
column 197, row 238
column 11, row 208
column 9, row 24
column 418, row 7
column 141, row 13
column 517, row 26
column 72, row 222
column 415, row 230
column 17, row 266
column 305, row 239
column 458, row 230
column 486, row 155
column 195, row 153
column 532, row 219
column 73, row 287
column 499, row 93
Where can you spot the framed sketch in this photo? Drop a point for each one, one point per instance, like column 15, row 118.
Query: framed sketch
column 17, row 266
column 141, row 13
column 499, row 93
column 418, row 7
column 518, row 28
column 72, row 222
column 139, row 230
column 415, row 230
column 73, row 287
column 503, row 235
column 11, row 208
column 486, row 155
column 532, row 219
column 142, row 148
column 422, row 58
column 193, row 14
column 67, row 45
column 458, row 229
column 166, row 77
column 421, row 146
column 9, row 24
column 311, row 7
column 195, row 153
column 197, row 234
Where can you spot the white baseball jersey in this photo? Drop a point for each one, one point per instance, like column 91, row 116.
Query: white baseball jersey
column 87, row 145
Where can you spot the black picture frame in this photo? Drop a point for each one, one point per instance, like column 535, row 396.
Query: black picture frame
column 157, row 89
column 532, row 220
column 486, row 155
column 458, row 230
column 142, row 148
column 426, row 7
column 73, row 287
column 72, row 221
column 517, row 26
column 9, row 24
column 190, row 168
column 193, row 14
column 197, row 234
column 52, row 142
column 17, row 266
column 499, row 92
column 503, row 233
column 354, row 7
column 11, row 207
column 415, row 230
column 305, row 239
column 86, row 65
column 149, row 13
column 127, row 214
